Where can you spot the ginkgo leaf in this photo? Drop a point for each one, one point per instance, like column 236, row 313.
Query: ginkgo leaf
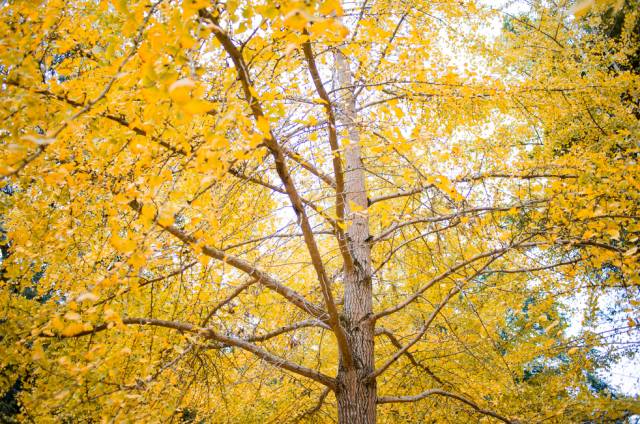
column 72, row 316
column 86, row 297
column 73, row 329
column 632, row 251
column 296, row 20
column 180, row 91
column 263, row 125
column 196, row 107
column 124, row 245
column 165, row 218
column 256, row 201
column 148, row 212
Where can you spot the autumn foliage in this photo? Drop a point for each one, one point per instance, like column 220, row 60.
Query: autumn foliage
column 283, row 211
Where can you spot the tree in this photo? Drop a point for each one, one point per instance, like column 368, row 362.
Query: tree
column 284, row 211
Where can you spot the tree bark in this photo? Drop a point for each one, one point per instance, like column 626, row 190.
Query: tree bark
column 355, row 393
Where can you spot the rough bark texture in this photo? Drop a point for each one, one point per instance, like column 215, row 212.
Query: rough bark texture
column 356, row 394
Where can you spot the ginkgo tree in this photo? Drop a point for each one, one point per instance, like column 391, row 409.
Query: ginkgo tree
column 275, row 211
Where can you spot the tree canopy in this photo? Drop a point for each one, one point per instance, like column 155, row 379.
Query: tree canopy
column 284, row 211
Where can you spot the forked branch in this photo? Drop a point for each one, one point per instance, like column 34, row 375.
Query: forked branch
column 494, row 253
column 335, row 150
column 381, row 331
column 404, row 349
column 210, row 334
column 439, row 392
column 260, row 276
column 285, row 177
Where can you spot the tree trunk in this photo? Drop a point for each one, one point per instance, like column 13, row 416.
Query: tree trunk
column 355, row 394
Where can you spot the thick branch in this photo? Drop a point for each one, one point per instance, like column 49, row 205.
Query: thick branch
column 227, row 340
column 244, row 266
column 283, row 172
column 272, row 359
column 335, row 150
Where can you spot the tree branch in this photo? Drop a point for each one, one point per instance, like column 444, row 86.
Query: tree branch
column 385, row 233
column 306, row 165
column 335, row 150
column 309, row 203
column 494, row 253
column 244, row 266
column 51, row 135
column 288, row 328
column 271, row 236
column 381, row 331
column 146, row 282
column 317, row 407
column 433, row 315
column 421, row 333
column 283, row 172
column 393, row 251
column 427, row 393
column 242, row 287
column 470, row 178
column 273, row 359
column 209, row 333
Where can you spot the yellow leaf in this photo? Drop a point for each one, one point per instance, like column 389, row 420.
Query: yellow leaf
column 263, row 125
column 204, row 260
column 180, row 91
column 190, row 7
column 614, row 233
column 57, row 324
column 581, row 8
column 72, row 316
column 148, row 212
column 73, row 329
column 197, row 107
column 165, row 218
column 111, row 316
column 123, row 245
column 38, row 353
column 329, row 7
column 296, row 20
column 137, row 260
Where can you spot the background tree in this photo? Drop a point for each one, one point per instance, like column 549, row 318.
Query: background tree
column 261, row 212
